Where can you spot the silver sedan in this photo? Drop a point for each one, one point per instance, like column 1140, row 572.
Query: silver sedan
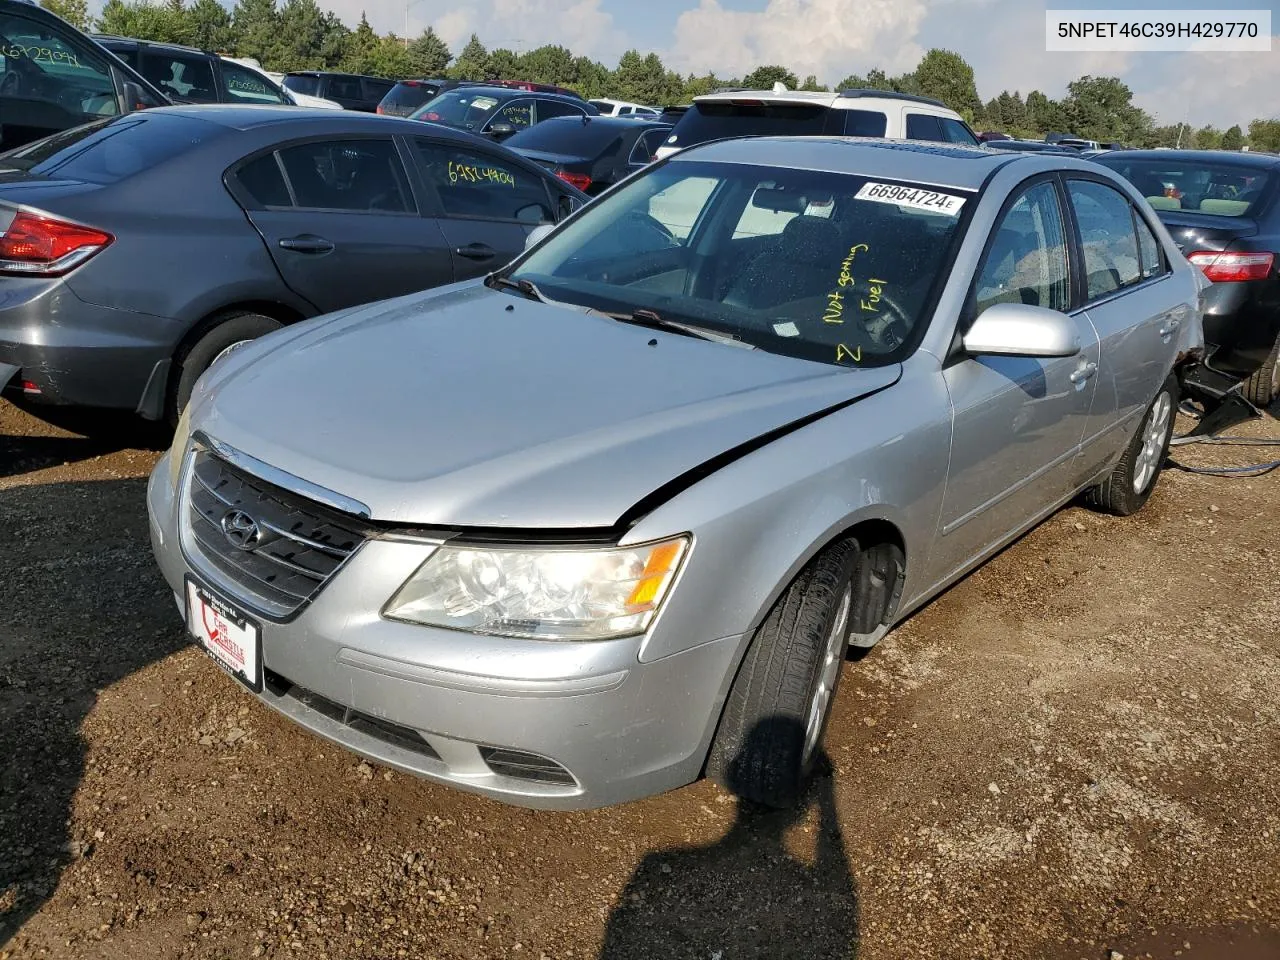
column 609, row 519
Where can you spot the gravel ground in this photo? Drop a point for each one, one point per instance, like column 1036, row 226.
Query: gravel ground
column 1074, row 753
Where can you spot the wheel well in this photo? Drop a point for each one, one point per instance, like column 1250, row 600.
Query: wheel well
column 267, row 308
column 879, row 581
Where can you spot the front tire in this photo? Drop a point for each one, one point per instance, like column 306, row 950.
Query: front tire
column 1264, row 386
column 223, row 335
column 777, row 711
column 1130, row 484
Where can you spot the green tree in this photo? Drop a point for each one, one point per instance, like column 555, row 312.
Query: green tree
column 300, row 41
column 1044, row 115
column 75, row 12
column 1264, row 135
column 1233, row 139
column 429, row 56
column 146, row 21
column 811, row 83
column 1208, row 138
column 503, row 64
column 256, row 24
column 591, row 78
column 473, row 62
column 1101, row 108
column 209, row 26
column 548, row 64
column 763, row 78
column 946, row 76
column 362, row 47
column 874, row 80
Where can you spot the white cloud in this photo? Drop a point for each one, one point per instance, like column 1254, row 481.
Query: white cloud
column 580, row 25
column 828, row 38
column 1211, row 88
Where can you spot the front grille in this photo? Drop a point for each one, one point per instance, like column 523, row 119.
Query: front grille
column 524, row 766
column 300, row 546
column 406, row 738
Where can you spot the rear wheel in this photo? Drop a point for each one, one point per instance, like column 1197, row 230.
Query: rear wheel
column 1130, row 484
column 219, row 339
column 777, row 712
column 1264, row 386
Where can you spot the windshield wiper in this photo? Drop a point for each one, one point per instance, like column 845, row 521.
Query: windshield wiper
column 495, row 282
column 654, row 321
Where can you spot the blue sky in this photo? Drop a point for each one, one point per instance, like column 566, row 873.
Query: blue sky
column 1002, row 39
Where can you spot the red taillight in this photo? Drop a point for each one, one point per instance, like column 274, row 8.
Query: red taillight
column 378, row 108
column 45, row 246
column 579, row 180
column 1233, row 267
column 29, row 387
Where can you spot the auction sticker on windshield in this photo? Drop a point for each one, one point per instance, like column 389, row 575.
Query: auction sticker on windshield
column 912, row 197
column 226, row 634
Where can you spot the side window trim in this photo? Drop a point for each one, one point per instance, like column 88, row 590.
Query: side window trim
column 1164, row 268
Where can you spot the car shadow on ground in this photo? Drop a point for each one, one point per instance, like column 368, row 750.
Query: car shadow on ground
column 747, row 895
column 71, row 624
column 98, row 432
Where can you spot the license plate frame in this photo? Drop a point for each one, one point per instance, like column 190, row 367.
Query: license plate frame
column 230, row 637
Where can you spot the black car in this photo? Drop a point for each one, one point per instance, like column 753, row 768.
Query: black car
column 592, row 153
column 190, row 75
column 53, row 77
column 352, row 91
column 135, row 250
column 1223, row 210
column 499, row 112
column 408, row 95
column 1030, row 146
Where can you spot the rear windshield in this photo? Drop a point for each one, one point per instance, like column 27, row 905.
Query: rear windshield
column 110, row 150
column 410, row 96
column 572, row 136
column 1221, row 189
column 715, row 121
column 460, row 108
column 307, row 86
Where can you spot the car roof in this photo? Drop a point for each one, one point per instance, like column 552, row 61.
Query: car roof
column 1221, row 157
column 825, row 98
column 245, row 117
column 954, row 165
column 625, row 122
column 109, row 40
column 333, row 73
column 493, row 90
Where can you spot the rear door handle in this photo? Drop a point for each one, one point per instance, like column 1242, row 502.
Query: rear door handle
column 1081, row 374
column 476, row 251
column 307, row 243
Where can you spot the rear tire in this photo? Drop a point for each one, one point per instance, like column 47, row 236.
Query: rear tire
column 771, row 731
column 1264, row 386
column 1130, row 484
column 226, row 333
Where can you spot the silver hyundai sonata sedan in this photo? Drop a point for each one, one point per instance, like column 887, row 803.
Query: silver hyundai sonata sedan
column 609, row 519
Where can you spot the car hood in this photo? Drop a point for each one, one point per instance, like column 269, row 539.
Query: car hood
column 477, row 408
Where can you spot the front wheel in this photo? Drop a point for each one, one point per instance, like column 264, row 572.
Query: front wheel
column 222, row 337
column 778, row 707
column 1129, row 485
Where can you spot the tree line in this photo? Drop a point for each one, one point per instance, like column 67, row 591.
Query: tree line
column 298, row 35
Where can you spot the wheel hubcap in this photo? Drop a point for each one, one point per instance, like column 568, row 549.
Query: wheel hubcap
column 828, row 672
column 235, row 346
column 1154, row 431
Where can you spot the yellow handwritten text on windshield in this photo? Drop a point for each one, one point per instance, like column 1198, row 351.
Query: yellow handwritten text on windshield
column 471, row 173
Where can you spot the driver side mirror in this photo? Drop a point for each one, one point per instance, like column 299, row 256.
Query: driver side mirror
column 501, row 131
column 1021, row 330
column 134, row 98
column 537, row 233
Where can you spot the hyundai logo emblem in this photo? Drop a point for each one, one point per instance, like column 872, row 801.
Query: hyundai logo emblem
column 241, row 530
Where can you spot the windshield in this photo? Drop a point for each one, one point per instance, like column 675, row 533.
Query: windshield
column 459, row 108
column 716, row 120
column 409, row 95
column 303, row 84
column 110, row 150
column 822, row 266
column 1221, row 189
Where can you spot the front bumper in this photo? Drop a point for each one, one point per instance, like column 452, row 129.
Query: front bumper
column 79, row 353
column 535, row 723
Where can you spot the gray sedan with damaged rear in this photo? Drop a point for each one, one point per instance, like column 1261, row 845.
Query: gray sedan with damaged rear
column 609, row 519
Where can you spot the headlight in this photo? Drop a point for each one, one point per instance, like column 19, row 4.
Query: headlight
column 181, row 434
column 546, row 594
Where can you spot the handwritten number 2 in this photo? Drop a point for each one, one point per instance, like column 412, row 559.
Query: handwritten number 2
column 844, row 353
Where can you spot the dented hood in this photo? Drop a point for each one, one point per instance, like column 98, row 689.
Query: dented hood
column 478, row 408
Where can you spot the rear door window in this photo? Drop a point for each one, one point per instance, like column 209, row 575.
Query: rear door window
column 472, row 183
column 304, row 84
column 864, row 123
column 1107, row 237
column 953, row 131
column 179, row 76
column 558, row 108
column 263, row 181
column 517, row 113
column 648, row 144
column 924, row 126
column 345, row 88
column 359, row 176
column 1153, row 263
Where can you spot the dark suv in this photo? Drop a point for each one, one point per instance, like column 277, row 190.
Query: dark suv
column 352, row 91
column 497, row 112
column 53, row 77
column 189, row 75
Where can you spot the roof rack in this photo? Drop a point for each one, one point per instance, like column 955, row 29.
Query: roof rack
column 891, row 95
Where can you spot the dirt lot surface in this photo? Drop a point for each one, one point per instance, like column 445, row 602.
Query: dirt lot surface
column 1073, row 752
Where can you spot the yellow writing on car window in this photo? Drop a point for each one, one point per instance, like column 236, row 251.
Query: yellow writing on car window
column 846, row 277
column 874, row 289
column 844, row 353
column 17, row 51
column 835, row 309
column 518, row 114
column 473, row 173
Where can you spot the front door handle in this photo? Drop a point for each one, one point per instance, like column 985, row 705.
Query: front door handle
column 1170, row 325
column 307, row 243
column 1083, row 373
column 476, row 251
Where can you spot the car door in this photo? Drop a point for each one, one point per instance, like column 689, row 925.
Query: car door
column 340, row 220
column 344, row 90
column 181, row 77
column 512, row 117
column 487, row 203
column 242, row 85
column 1134, row 313
column 50, row 80
column 1017, row 422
